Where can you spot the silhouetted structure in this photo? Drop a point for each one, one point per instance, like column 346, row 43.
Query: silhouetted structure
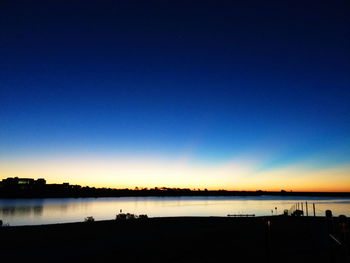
column 31, row 188
column 22, row 183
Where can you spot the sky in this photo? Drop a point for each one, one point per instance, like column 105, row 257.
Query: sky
column 238, row 95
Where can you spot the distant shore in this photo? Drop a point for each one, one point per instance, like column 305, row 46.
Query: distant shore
column 14, row 187
column 177, row 239
column 105, row 192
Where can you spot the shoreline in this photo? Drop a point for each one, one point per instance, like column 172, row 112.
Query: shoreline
column 132, row 193
column 175, row 218
column 176, row 239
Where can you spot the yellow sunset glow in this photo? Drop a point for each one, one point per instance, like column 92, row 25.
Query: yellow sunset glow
column 129, row 173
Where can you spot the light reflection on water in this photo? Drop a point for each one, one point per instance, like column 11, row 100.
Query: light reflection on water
column 60, row 210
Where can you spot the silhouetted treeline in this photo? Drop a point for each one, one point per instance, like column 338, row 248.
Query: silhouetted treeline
column 29, row 188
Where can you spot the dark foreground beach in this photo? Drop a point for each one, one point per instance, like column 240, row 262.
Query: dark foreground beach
column 183, row 239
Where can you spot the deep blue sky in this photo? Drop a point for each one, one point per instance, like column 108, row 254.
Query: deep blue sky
column 212, row 78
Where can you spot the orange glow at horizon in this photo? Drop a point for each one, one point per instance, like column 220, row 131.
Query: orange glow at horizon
column 130, row 173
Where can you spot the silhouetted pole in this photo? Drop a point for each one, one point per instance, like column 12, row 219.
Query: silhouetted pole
column 343, row 226
column 302, row 207
column 307, row 211
column 329, row 218
column 268, row 241
column 314, row 209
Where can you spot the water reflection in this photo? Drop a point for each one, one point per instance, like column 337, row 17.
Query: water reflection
column 7, row 211
column 59, row 210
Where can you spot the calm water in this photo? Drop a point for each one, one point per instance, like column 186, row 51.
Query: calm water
column 47, row 211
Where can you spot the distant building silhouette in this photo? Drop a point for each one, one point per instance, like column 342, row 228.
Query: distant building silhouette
column 22, row 183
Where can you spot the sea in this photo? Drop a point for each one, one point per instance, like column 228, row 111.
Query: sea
column 19, row 212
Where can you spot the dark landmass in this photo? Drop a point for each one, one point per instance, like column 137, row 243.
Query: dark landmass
column 183, row 239
column 30, row 188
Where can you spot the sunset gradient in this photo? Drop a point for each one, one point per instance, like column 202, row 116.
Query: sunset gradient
column 181, row 173
column 207, row 94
